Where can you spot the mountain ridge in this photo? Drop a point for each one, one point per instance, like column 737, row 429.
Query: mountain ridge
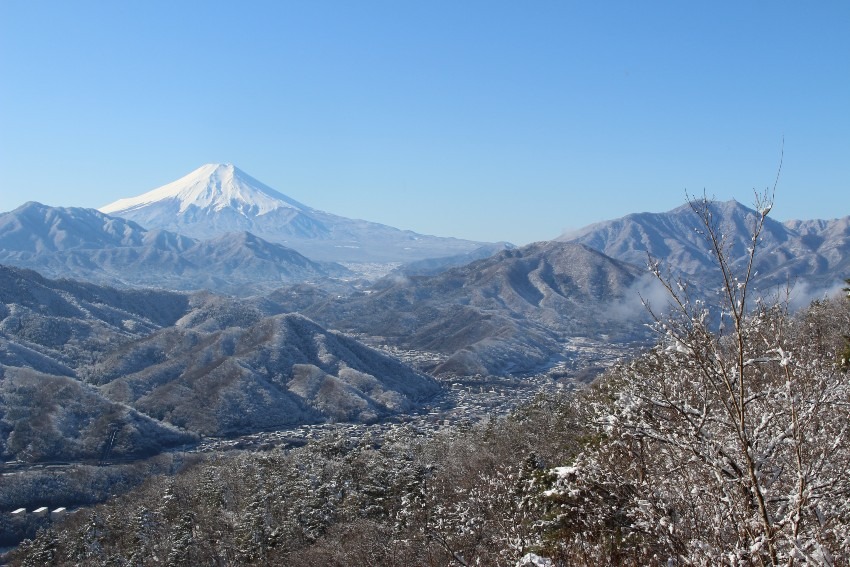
column 814, row 253
column 77, row 359
column 509, row 313
column 221, row 198
column 90, row 245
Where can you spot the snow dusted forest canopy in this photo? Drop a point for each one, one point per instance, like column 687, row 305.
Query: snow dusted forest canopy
column 726, row 443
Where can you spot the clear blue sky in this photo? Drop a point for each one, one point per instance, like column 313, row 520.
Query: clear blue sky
column 486, row 120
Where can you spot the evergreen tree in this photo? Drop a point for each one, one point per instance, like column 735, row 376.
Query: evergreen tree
column 180, row 554
column 41, row 551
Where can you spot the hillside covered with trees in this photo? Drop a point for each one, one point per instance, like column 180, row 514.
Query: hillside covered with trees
column 727, row 443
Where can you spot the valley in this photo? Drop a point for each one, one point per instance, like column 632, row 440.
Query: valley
column 147, row 347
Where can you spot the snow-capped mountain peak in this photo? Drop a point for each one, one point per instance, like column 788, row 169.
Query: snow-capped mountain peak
column 212, row 187
column 218, row 199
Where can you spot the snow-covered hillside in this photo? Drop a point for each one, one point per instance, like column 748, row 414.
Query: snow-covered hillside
column 89, row 245
column 814, row 255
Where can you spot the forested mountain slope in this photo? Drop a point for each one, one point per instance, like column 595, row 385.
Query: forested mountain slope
column 278, row 372
column 77, row 358
column 507, row 313
column 815, row 254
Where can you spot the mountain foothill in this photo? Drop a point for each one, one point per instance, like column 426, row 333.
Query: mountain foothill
column 217, row 306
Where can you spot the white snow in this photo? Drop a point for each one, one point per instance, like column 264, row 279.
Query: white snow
column 215, row 187
column 532, row 559
column 219, row 198
column 564, row 472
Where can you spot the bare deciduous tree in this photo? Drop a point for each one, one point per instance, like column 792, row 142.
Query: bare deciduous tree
column 726, row 444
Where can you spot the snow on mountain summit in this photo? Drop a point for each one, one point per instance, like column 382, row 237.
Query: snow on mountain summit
column 219, row 199
column 213, row 187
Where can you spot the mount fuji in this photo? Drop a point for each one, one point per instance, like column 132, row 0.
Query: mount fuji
column 216, row 199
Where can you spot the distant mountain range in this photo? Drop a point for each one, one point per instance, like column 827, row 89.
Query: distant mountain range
column 433, row 266
column 216, row 199
column 153, row 240
column 89, row 245
column 813, row 255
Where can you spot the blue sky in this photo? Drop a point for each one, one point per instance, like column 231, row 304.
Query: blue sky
column 485, row 120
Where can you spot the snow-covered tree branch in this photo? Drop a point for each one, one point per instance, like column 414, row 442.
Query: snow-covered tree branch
column 725, row 444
